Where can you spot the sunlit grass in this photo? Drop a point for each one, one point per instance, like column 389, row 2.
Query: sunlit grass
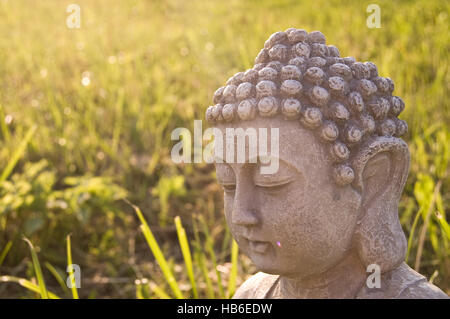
column 184, row 246
column 159, row 256
column 71, row 269
column 69, row 148
column 26, row 284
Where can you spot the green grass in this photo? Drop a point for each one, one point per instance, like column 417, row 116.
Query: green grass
column 184, row 244
column 38, row 271
column 69, row 152
column 159, row 256
column 71, row 269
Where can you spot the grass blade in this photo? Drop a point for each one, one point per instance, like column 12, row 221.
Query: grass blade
column 161, row 260
column 199, row 257
column 444, row 225
column 184, row 245
column 425, row 225
column 57, row 276
column 411, row 233
column 210, row 249
column 159, row 256
column 26, row 284
column 139, row 293
column 118, row 120
column 158, row 291
column 17, row 154
column 233, row 272
column 5, row 251
column 37, row 270
column 227, row 240
column 3, row 126
column 71, row 271
column 433, row 276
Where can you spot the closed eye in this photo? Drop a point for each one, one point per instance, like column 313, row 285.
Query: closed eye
column 229, row 187
column 272, row 182
column 274, row 185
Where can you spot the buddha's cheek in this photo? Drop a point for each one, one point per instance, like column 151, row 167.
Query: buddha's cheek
column 313, row 234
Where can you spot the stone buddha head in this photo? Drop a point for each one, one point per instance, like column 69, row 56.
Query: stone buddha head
column 342, row 164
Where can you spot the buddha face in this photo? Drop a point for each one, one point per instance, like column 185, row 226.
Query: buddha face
column 295, row 222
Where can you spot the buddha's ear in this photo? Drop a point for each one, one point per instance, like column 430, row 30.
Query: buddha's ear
column 375, row 177
column 381, row 168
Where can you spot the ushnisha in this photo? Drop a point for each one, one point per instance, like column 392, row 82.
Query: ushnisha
column 296, row 75
column 312, row 236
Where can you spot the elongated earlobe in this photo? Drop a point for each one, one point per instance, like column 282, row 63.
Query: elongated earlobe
column 382, row 169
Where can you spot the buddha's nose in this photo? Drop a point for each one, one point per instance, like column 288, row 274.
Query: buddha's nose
column 245, row 212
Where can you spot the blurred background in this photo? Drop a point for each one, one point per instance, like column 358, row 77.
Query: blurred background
column 85, row 121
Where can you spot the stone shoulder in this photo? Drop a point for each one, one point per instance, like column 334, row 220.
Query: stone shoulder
column 403, row 283
column 256, row 287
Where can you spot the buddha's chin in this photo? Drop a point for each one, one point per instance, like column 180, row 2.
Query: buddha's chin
column 268, row 269
column 281, row 271
column 268, row 263
column 265, row 262
column 277, row 269
column 275, row 266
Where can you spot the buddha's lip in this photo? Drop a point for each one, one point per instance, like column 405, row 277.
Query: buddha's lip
column 258, row 246
column 256, row 240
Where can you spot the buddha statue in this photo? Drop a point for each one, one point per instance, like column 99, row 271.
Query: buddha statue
column 330, row 211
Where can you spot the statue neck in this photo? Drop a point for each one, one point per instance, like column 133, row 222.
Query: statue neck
column 342, row 281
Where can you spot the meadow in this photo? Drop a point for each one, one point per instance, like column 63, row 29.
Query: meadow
column 85, row 122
